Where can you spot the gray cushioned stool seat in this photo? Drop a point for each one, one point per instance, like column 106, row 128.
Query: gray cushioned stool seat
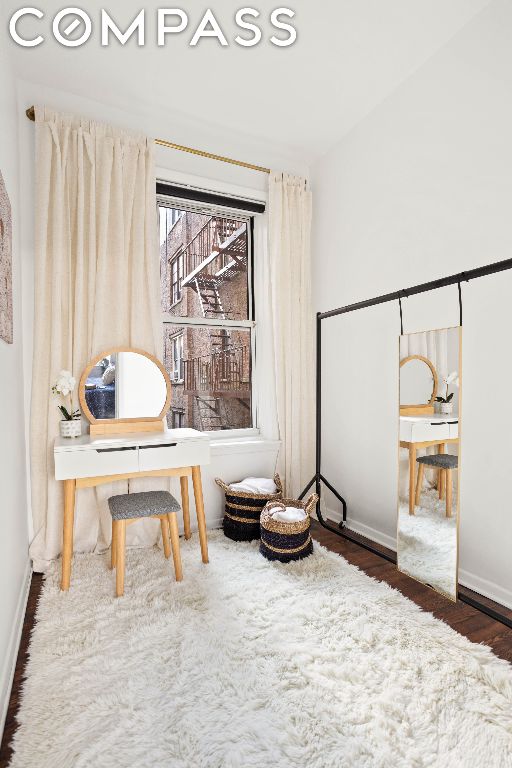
column 440, row 460
column 126, row 506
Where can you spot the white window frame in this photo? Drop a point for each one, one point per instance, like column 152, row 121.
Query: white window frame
column 199, row 322
column 178, row 336
column 178, row 257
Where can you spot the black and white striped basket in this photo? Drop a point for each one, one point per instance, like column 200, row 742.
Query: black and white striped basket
column 286, row 541
column 242, row 511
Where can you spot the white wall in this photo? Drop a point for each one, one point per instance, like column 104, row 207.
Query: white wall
column 14, row 561
column 420, row 189
column 229, row 463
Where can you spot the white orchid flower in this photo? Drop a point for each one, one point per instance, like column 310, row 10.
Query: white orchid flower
column 65, row 383
column 451, row 377
column 64, row 386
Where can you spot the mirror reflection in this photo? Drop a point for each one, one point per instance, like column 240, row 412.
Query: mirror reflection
column 417, row 381
column 428, row 464
column 125, row 385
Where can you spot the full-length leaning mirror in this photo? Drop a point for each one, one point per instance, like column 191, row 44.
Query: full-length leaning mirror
column 428, row 476
column 123, row 387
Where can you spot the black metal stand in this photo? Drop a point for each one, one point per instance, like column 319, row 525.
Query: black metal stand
column 319, row 479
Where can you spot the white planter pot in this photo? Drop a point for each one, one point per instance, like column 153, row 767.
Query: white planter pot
column 71, row 428
column 446, row 408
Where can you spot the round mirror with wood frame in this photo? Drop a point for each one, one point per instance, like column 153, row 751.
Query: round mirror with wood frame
column 418, row 409
column 124, row 389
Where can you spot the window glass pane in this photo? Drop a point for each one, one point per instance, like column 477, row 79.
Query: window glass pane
column 210, row 370
column 204, row 265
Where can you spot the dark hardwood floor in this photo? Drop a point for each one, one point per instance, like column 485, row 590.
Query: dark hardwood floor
column 475, row 625
column 28, row 623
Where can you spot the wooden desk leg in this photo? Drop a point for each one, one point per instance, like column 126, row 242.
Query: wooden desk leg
column 67, row 533
column 201, row 520
column 185, row 506
column 412, row 469
column 442, row 478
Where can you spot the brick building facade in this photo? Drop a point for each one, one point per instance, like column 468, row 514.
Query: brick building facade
column 203, row 261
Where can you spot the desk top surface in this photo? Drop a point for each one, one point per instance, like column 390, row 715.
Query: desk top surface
column 88, row 442
column 433, row 418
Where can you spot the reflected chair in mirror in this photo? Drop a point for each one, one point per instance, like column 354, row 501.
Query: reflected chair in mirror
column 445, row 463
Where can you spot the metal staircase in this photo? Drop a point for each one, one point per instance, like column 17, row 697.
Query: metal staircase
column 210, row 413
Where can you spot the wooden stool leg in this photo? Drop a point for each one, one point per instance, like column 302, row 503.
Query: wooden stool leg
column 419, row 482
column 412, row 466
column 185, row 506
column 164, row 525
column 449, row 489
column 175, row 542
column 113, row 545
column 120, row 556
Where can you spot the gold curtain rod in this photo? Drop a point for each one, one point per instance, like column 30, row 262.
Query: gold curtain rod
column 181, row 148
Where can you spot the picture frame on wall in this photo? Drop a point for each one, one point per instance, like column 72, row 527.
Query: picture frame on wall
column 6, row 310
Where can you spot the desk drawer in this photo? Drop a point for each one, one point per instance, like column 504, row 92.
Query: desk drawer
column 454, row 429
column 170, row 455
column 429, row 431
column 96, row 462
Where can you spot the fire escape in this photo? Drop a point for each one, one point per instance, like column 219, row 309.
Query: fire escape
column 214, row 257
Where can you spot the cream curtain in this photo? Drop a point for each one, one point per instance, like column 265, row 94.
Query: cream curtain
column 293, row 319
column 96, row 286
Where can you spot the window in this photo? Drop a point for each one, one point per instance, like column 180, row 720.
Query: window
column 206, row 281
column 176, row 358
column 177, row 418
column 176, row 278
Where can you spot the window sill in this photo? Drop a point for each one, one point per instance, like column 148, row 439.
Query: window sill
column 236, row 445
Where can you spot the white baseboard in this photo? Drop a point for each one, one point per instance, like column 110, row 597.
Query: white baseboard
column 14, row 644
column 466, row 579
column 486, row 588
column 364, row 530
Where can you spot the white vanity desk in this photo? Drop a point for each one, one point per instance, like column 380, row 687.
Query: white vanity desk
column 424, row 431
column 91, row 460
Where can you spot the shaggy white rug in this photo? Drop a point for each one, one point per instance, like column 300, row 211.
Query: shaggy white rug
column 427, row 543
column 251, row 664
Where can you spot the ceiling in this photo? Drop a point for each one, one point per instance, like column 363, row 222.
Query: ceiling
column 349, row 55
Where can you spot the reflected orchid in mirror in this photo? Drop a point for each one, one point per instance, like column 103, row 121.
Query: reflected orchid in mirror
column 448, row 380
column 64, row 388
